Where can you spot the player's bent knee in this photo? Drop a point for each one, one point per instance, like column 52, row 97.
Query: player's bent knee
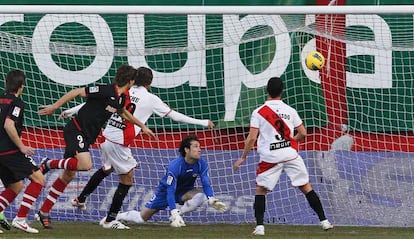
column 84, row 166
column 16, row 187
column 38, row 177
column 306, row 188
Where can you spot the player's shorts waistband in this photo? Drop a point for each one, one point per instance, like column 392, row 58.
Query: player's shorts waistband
column 9, row 152
column 125, row 145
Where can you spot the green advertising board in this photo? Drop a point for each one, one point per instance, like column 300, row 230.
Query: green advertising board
column 369, row 108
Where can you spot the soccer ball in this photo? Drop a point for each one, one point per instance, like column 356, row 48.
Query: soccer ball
column 314, row 61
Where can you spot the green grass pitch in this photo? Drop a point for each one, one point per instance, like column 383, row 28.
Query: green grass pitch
column 229, row 231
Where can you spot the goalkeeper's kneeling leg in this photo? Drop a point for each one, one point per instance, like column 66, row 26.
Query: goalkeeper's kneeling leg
column 130, row 216
column 192, row 204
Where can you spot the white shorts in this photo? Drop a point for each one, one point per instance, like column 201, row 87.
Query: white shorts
column 268, row 174
column 118, row 157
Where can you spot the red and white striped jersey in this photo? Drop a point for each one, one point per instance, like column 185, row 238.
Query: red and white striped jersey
column 276, row 122
column 141, row 103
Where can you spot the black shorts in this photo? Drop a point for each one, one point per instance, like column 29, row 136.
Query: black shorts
column 75, row 140
column 15, row 167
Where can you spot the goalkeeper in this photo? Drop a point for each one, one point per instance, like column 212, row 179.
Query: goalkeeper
column 177, row 186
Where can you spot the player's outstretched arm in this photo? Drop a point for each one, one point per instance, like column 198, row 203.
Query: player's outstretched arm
column 248, row 145
column 50, row 109
column 177, row 116
column 210, row 124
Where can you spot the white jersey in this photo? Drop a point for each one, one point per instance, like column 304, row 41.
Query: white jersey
column 142, row 104
column 276, row 122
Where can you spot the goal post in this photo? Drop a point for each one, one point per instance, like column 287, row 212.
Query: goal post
column 213, row 62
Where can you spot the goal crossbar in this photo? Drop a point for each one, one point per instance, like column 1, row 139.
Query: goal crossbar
column 264, row 10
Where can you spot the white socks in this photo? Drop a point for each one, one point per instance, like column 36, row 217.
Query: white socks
column 189, row 206
column 193, row 203
column 130, row 216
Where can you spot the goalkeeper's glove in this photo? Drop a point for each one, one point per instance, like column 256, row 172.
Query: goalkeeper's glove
column 175, row 219
column 216, row 204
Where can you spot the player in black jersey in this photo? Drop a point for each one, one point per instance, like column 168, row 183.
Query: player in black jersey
column 82, row 131
column 15, row 161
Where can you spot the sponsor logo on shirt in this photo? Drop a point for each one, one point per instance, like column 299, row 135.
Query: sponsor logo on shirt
column 93, row 89
column 280, row 145
column 116, row 124
column 16, row 111
column 110, row 109
column 170, row 180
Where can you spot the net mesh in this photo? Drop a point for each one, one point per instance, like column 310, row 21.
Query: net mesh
column 357, row 108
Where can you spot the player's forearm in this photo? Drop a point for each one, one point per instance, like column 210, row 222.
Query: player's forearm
column 171, row 199
column 11, row 131
column 301, row 133
column 177, row 116
column 68, row 97
column 248, row 145
column 299, row 137
column 208, row 190
column 130, row 118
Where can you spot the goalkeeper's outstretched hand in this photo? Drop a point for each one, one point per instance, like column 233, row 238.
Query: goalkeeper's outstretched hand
column 216, row 204
column 175, row 219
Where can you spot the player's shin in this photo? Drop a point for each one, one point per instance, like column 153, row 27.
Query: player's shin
column 259, row 207
column 119, row 196
column 30, row 195
column 92, row 184
column 193, row 203
column 6, row 197
column 315, row 204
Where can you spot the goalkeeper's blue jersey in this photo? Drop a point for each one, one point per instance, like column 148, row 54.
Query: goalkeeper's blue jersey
column 180, row 178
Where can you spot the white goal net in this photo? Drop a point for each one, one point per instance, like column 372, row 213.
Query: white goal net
column 213, row 63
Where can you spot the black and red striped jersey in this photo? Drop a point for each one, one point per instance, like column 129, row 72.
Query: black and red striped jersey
column 10, row 107
column 102, row 101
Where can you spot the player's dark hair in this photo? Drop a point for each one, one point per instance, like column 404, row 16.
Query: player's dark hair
column 186, row 143
column 124, row 74
column 143, row 77
column 274, row 87
column 14, row 80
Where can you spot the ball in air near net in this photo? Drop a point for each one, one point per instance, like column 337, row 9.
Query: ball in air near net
column 314, row 61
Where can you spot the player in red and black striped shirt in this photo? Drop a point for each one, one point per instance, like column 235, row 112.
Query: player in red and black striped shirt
column 82, row 131
column 15, row 161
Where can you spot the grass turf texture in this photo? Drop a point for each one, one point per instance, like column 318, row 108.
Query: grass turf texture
column 213, row 231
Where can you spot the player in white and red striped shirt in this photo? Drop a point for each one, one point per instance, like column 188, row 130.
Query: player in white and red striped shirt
column 273, row 125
